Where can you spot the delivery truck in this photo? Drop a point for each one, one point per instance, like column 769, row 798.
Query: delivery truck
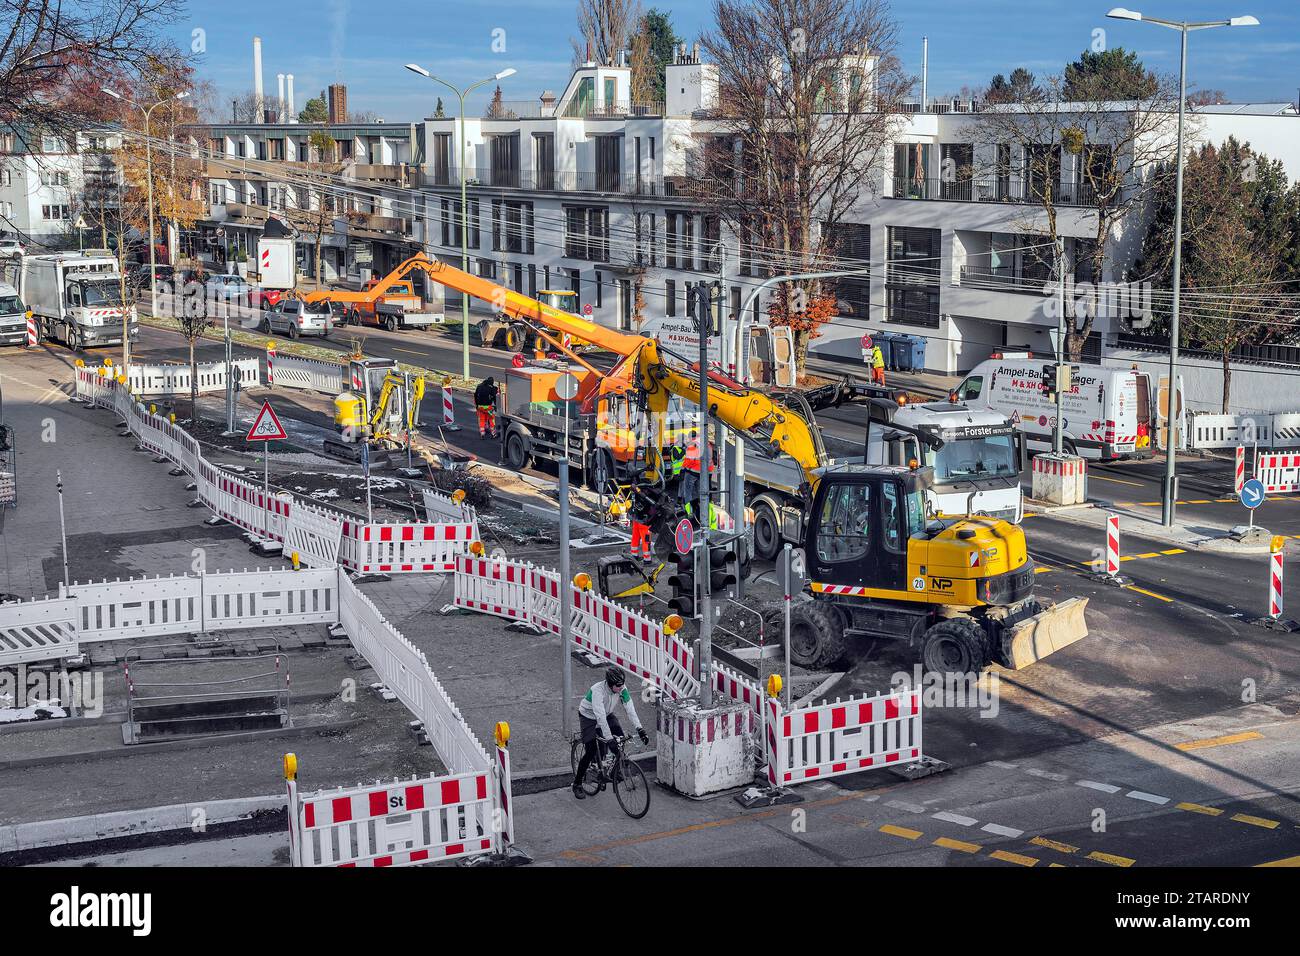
column 77, row 299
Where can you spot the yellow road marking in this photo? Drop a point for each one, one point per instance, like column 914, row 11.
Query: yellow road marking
column 903, row 832
column 407, row 351
column 1199, row 501
column 1286, row 861
column 1149, row 504
column 1110, row 858
column 1053, row 845
column 1128, row 557
column 1059, row 866
column 1150, row 554
column 1197, row 808
column 961, row 845
column 1014, row 858
column 1158, row 597
column 1224, row 500
column 1256, row 821
column 1219, row 741
column 1043, row 570
column 1118, row 481
column 1174, row 551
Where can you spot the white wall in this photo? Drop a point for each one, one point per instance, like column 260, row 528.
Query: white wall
column 1255, row 388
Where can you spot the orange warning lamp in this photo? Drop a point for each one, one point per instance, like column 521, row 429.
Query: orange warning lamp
column 477, row 549
column 774, row 685
column 582, row 581
column 290, row 766
column 501, row 733
column 913, row 464
column 1277, row 544
column 673, row 623
column 458, row 495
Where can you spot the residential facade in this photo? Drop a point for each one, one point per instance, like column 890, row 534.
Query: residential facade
column 48, row 185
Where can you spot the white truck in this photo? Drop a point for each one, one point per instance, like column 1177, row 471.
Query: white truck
column 77, row 299
column 13, row 316
column 976, row 467
column 1107, row 412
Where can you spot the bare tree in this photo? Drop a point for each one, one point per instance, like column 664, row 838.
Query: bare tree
column 320, row 209
column 606, row 27
column 55, row 54
column 1053, row 154
column 806, row 114
column 642, row 62
column 193, row 318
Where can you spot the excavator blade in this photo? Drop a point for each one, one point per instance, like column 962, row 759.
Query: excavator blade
column 1045, row 633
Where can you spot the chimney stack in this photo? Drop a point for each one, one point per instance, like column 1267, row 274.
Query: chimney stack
column 293, row 114
column 257, row 80
column 279, row 101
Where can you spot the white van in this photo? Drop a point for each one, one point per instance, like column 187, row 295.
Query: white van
column 1108, row 412
column 13, row 317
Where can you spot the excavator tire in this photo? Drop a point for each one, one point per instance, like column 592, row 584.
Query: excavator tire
column 816, row 636
column 955, row 645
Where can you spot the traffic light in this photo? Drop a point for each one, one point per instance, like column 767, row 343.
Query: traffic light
column 724, row 567
column 706, row 307
column 1050, row 376
column 682, row 582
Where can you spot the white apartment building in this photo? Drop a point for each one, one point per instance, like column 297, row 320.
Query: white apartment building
column 256, row 170
column 48, row 184
column 583, row 192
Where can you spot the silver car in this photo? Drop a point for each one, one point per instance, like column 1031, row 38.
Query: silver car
column 229, row 286
column 295, row 317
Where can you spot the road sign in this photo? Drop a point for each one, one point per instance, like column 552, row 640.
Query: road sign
column 684, row 536
column 586, row 308
column 566, row 386
column 267, row 427
column 1252, row 493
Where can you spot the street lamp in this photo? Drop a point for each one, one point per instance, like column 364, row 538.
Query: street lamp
column 148, row 152
column 464, row 205
column 1169, row 493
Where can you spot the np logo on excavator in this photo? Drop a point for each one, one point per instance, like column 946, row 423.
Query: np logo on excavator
column 940, row 584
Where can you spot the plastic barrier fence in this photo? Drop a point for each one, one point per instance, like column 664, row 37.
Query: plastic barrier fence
column 439, row 507
column 1280, row 473
column 38, row 631
column 367, row 548
column 402, row 824
column 406, row 672
column 845, row 737
column 291, row 371
column 1276, row 430
column 169, row 379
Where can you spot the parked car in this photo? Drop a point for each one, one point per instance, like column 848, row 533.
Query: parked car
column 11, row 249
column 229, row 286
column 294, row 317
column 137, row 276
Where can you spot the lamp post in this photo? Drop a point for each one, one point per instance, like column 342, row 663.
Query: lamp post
column 1169, row 494
column 464, row 204
column 148, row 153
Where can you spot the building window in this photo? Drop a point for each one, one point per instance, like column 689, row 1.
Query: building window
column 504, row 153
column 851, row 243
column 586, row 233
column 512, row 227
column 670, row 297
column 55, row 213
column 441, row 156
column 680, row 251
column 600, row 289
column 451, row 223
column 912, row 277
column 487, row 269
column 711, row 237
column 544, row 161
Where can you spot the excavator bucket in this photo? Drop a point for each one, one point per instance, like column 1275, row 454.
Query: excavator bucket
column 1051, row 629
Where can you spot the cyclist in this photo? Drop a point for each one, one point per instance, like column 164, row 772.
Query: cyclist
column 598, row 724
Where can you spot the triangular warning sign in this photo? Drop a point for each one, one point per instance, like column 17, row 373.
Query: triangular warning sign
column 267, row 427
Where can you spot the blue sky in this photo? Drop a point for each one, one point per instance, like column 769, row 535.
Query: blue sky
column 365, row 44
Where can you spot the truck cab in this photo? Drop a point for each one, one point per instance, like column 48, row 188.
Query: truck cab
column 976, row 469
column 78, row 299
column 13, row 316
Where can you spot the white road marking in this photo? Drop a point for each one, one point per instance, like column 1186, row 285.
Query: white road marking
column 909, row 807
column 1003, row 764
column 1148, row 797
column 1094, row 785
column 1046, row 775
column 956, row 818
column 1001, row 830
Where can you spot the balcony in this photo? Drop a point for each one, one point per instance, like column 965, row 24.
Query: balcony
column 616, row 181
column 1029, row 281
column 1009, row 189
column 393, row 174
column 535, row 109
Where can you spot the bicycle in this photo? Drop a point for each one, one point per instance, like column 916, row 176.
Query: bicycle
column 630, row 786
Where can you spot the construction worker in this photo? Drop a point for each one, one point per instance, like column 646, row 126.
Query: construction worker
column 690, row 486
column 485, row 401
column 877, row 365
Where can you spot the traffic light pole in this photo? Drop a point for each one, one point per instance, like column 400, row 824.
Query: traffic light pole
column 702, row 575
column 1057, row 431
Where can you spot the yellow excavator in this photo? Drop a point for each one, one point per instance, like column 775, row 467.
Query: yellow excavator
column 878, row 564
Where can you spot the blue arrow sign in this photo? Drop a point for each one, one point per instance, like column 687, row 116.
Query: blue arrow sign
column 1252, row 493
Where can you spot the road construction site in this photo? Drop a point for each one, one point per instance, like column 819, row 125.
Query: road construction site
column 1174, row 716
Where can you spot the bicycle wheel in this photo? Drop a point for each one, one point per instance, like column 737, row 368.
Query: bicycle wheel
column 590, row 782
column 632, row 790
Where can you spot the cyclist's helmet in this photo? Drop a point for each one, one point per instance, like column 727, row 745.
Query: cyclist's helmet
column 615, row 677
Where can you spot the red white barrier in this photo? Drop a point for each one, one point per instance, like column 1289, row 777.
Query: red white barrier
column 1275, row 584
column 405, row 548
column 31, row 331
column 1279, row 472
column 448, row 410
column 402, row 824
column 1239, row 472
column 270, row 366
column 841, row 738
column 1112, row 545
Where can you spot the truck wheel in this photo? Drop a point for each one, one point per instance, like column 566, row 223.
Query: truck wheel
column 516, row 338
column 816, row 637
column 954, row 646
column 767, row 532
column 390, row 323
column 1069, row 447
column 517, row 456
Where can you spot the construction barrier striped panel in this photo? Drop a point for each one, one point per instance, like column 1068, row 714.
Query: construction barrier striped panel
column 43, row 630
column 409, row 823
column 1278, row 472
column 831, row 740
column 499, row 588
column 399, row 548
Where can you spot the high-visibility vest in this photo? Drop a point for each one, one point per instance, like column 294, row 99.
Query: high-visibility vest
column 693, row 455
column 677, row 457
column 877, row 357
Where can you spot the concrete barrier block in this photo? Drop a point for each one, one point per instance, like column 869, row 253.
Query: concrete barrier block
column 1060, row 479
column 700, row 752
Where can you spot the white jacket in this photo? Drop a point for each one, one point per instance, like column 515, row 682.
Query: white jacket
column 599, row 704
